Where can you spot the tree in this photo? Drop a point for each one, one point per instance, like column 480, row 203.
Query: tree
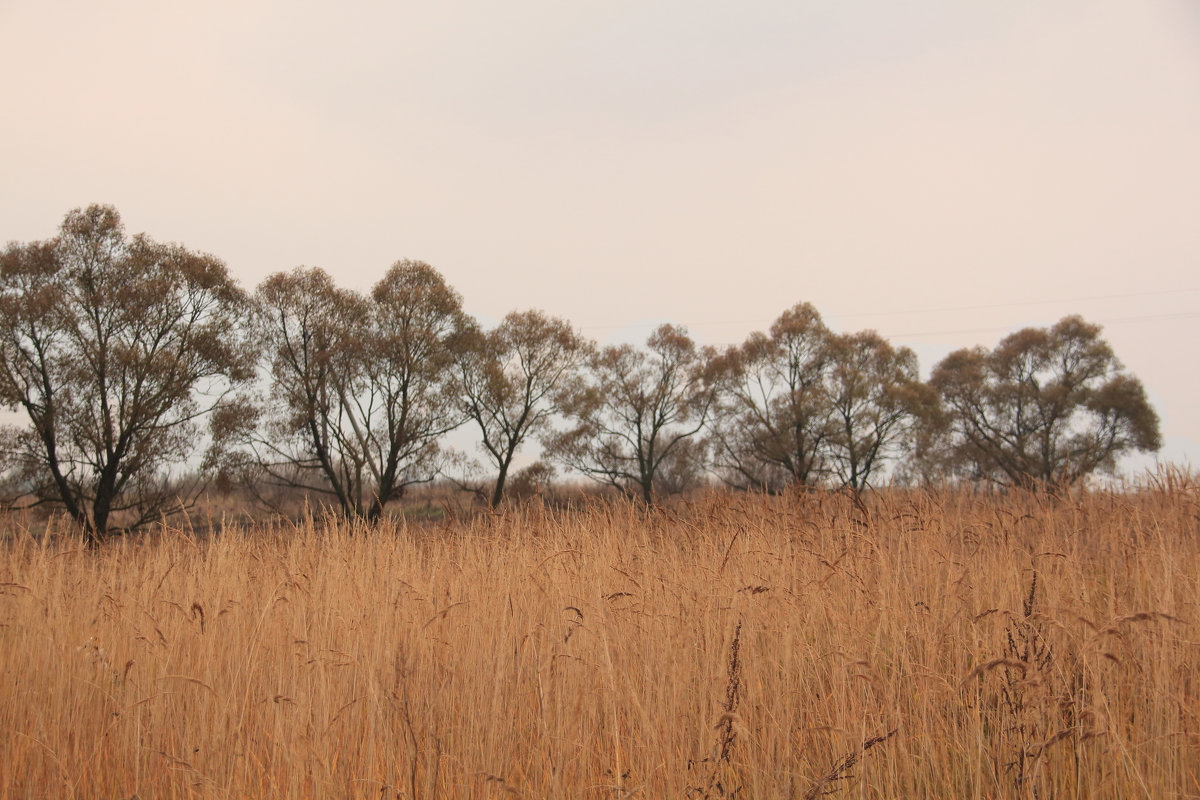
column 1047, row 407
column 360, row 389
column 311, row 332
column 636, row 410
column 773, row 419
column 417, row 320
column 115, row 348
column 872, row 389
column 513, row 379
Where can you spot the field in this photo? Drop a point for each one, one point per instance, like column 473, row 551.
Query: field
column 912, row 644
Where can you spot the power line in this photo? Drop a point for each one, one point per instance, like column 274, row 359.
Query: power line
column 1002, row 329
column 1023, row 303
column 1110, row 321
column 900, row 312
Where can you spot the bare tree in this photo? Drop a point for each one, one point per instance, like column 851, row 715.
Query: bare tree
column 312, row 333
column 412, row 402
column 513, row 379
column 872, row 389
column 773, row 419
column 115, row 348
column 637, row 409
column 1047, row 407
column 360, row 391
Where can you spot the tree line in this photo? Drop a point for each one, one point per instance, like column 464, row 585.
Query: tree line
column 132, row 361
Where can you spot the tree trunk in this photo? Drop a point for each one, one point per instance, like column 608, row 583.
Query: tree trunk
column 498, row 491
column 96, row 530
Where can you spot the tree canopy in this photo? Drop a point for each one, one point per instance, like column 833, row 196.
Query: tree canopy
column 1046, row 407
column 771, row 422
column 142, row 369
column 115, row 348
column 513, row 379
column 361, row 388
column 638, row 411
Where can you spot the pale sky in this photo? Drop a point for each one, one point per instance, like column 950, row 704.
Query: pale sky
column 942, row 171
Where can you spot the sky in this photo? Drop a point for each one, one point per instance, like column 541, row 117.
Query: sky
column 942, row 172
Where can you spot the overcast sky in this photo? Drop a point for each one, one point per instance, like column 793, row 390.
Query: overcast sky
column 942, row 171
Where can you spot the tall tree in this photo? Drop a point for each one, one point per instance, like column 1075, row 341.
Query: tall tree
column 411, row 402
column 312, row 333
column 115, row 348
column 360, row 392
column 773, row 420
column 637, row 409
column 513, row 379
column 873, row 391
column 1046, row 407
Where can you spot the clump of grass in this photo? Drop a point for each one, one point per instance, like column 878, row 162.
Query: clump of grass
column 722, row 778
column 841, row 770
column 1025, row 645
column 1048, row 703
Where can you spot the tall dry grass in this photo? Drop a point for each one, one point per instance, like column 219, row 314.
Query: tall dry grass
column 916, row 645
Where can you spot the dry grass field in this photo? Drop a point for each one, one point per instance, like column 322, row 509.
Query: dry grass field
column 942, row 645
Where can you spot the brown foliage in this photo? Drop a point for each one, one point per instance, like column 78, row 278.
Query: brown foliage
column 772, row 420
column 513, row 379
column 360, row 390
column 1047, row 406
column 114, row 348
column 636, row 413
